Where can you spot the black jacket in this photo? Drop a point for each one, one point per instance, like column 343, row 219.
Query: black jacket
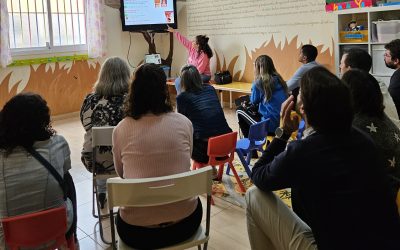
column 338, row 188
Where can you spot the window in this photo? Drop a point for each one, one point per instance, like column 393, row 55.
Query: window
column 40, row 26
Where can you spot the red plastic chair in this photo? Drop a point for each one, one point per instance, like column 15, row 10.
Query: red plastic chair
column 38, row 229
column 221, row 150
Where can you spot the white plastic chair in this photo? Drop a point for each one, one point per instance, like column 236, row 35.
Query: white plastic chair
column 101, row 136
column 144, row 193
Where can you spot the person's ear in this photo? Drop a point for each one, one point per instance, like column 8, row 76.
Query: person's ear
column 396, row 61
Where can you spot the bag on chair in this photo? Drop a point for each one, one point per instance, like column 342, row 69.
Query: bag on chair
column 223, row 77
column 244, row 102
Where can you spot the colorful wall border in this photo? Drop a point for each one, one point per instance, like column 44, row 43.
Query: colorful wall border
column 25, row 62
column 329, row 7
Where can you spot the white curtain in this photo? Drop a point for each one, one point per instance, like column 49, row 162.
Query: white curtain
column 5, row 53
column 96, row 37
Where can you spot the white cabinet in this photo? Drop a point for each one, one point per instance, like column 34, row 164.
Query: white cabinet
column 367, row 38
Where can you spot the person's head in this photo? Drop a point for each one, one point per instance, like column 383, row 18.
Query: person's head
column 190, row 79
column 355, row 59
column 201, row 44
column 308, row 53
column 114, row 78
column 392, row 54
column 264, row 71
column 25, row 118
column 325, row 101
column 148, row 92
column 366, row 93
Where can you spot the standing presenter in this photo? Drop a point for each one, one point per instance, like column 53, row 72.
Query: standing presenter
column 199, row 56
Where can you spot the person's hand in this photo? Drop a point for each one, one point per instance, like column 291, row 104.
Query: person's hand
column 170, row 29
column 289, row 123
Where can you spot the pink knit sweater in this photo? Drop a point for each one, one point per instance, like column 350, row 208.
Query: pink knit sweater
column 154, row 146
column 201, row 61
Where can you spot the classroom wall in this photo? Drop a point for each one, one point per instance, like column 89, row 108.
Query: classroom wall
column 65, row 85
column 240, row 31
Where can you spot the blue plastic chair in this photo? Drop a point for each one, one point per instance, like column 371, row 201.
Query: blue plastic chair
column 257, row 138
column 302, row 127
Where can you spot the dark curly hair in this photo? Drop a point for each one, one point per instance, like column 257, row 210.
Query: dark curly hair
column 202, row 41
column 25, row 118
column 148, row 92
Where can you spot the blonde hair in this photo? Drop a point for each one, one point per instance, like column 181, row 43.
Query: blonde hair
column 264, row 71
column 114, row 78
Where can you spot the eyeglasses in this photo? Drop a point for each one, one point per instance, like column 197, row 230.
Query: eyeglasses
column 387, row 55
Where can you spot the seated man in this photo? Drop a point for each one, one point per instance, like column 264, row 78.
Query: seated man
column 340, row 194
column 307, row 56
column 360, row 59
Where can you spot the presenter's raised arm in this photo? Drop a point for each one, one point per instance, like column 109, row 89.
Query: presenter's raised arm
column 183, row 40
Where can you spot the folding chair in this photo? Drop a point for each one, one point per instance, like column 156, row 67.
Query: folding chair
column 101, row 136
column 44, row 228
column 221, row 150
column 147, row 192
column 256, row 140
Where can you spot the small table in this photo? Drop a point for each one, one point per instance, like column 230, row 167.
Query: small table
column 237, row 87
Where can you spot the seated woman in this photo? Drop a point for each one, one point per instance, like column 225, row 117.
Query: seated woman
column 26, row 185
column 268, row 91
column 199, row 102
column 153, row 141
column 104, row 107
column 371, row 118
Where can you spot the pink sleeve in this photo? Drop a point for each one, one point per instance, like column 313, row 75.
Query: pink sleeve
column 185, row 42
column 117, row 155
column 202, row 62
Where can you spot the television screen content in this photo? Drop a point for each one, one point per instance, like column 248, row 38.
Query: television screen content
column 153, row 15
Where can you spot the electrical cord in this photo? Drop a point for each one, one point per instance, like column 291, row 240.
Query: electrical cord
column 129, row 50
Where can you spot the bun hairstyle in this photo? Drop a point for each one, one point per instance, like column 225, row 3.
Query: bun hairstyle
column 202, row 41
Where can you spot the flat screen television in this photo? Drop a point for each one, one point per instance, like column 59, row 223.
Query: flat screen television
column 154, row 15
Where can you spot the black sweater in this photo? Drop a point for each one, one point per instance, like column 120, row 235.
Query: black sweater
column 338, row 188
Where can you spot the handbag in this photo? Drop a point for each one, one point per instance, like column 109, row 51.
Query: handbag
column 244, row 103
column 223, row 77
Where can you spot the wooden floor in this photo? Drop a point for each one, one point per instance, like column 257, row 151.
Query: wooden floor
column 228, row 222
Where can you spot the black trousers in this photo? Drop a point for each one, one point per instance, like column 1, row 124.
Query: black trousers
column 199, row 153
column 246, row 120
column 152, row 238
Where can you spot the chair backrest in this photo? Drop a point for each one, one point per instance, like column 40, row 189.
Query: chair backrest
column 258, row 131
column 36, row 229
column 221, row 148
column 163, row 190
column 102, row 136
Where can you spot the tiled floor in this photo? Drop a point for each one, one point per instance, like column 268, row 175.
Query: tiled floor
column 228, row 222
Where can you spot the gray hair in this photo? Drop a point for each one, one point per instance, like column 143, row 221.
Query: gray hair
column 114, row 78
column 190, row 79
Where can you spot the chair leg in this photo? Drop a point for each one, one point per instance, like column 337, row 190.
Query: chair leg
column 237, row 178
column 113, row 241
column 100, row 219
column 220, row 171
column 94, row 198
column 244, row 162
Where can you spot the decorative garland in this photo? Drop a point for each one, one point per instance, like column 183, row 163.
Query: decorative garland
column 43, row 60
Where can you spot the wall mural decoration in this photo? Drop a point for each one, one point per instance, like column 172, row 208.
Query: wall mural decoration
column 63, row 86
column 285, row 58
